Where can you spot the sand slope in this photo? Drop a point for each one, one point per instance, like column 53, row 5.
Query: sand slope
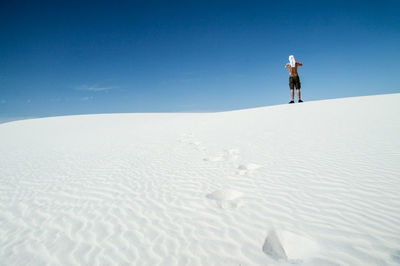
column 305, row 184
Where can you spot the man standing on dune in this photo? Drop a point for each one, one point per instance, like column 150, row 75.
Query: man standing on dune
column 294, row 79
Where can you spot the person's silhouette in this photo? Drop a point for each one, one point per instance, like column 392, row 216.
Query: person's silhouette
column 294, row 79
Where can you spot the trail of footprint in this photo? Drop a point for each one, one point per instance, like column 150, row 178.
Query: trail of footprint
column 280, row 245
column 226, row 198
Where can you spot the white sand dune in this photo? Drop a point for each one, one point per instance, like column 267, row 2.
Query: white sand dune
column 316, row 183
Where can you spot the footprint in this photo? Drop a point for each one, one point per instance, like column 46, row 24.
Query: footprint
column 187, row 135
column 273, row 247
column 285, row 245
column 231, row 154
column 216, row 158
column 201, row 148
column 189, row 139
column 396, row 256
column 248, row 168
column 195, row 143
column 226, row 198
column 186, row 138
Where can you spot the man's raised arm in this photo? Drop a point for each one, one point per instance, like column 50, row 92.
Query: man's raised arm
column 300, row 64
column 287, row 65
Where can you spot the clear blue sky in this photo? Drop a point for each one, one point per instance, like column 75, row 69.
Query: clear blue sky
column 59, row 58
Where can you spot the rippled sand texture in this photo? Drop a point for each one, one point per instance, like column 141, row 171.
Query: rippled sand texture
column 316, row 183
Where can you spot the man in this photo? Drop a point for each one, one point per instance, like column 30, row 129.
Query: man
column 294, row 79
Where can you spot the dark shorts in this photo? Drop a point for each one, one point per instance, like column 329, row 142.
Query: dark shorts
column 294, row 81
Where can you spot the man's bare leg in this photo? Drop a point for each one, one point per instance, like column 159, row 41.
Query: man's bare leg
column 292, row 94
column 298, row 94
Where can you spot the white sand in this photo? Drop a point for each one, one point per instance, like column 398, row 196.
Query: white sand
column 316, row 183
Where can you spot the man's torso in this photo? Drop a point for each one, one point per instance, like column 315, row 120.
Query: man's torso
column 292, row 70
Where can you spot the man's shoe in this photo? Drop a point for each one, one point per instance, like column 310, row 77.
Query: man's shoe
column 291, row 102
column 300, row 101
